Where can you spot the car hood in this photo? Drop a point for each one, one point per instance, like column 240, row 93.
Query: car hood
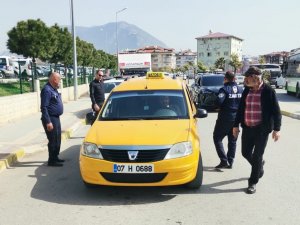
column 141, row 132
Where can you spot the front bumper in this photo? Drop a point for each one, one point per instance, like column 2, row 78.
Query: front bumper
column 166, row 172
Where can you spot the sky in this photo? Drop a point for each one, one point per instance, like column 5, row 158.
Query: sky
column 265, row 25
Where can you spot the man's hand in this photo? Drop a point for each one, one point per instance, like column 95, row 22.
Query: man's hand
column 96, row 107
column 235, row 132
column 49, row 127
column 275, row 135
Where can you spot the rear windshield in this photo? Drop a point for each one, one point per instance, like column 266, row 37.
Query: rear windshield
column 275, row 74
column 212, row 81
column 22, row 63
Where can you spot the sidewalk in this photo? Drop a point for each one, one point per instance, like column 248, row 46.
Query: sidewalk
column 26, row 135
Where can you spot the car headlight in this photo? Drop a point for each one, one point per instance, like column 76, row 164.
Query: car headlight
column 180, row 150
column 91, row 150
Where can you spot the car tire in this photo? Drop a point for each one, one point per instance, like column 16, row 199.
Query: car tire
column 286, row 88
column 297, row 91
column 197, row 182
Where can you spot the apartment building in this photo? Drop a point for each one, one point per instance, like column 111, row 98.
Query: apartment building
column 186, row 57
column 216, row 45
column 161, row 58
column 276, row 57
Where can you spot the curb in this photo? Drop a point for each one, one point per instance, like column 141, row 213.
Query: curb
column 289, row 114
column 16, row 155
column 11, row 159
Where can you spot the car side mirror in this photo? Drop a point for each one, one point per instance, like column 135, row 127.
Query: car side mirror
column 90, row 118
column 201, row 113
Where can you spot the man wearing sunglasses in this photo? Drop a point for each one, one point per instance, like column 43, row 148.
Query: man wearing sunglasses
column 259, row 115
column 97, row 92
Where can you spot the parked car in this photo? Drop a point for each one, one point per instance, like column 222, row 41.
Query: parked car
column 239, row 79
column 110, row 84
column 277, row 79
column 205, row 90
column 25, row 65
column 8, row 68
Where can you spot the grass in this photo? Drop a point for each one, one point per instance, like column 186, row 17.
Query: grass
column 7, row 89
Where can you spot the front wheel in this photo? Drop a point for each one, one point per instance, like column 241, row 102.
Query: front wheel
column 286, row 88
column 197, row 182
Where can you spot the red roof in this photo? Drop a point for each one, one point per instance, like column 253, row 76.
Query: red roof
column 218, row 35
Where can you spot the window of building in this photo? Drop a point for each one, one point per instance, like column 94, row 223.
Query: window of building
column 208, row 54
column 226, row 53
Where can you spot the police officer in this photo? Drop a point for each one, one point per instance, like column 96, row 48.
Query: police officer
column 228, row 100
column 97, row 91
column 52, row 109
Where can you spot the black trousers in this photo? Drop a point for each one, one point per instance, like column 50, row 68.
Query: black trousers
column 222, row 129
column 54, row 138
column 254, row 142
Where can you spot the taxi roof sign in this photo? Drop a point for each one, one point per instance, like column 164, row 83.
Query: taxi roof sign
column 155, row 75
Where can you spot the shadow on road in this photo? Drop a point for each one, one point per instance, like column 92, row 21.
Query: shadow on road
column 63, row 185
column 283, row 97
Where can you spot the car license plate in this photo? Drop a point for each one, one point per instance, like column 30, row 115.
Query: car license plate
column 133, row 168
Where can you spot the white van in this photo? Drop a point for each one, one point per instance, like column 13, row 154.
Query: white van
column 276, row 78
column 8, row 68
column 25, row 65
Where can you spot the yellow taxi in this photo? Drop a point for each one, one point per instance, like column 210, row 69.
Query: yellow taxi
column 145, row 135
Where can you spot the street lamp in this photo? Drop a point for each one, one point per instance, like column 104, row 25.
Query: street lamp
column 121, row 10
column 74, row 51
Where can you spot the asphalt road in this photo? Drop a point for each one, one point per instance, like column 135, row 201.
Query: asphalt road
column 32, row 193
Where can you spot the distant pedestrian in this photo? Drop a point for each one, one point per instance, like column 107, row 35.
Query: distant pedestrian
column 228, row 100
column 97, row 92
column 259, row 114
column 52, row 109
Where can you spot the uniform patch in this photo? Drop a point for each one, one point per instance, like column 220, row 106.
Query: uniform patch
column 221, row 95
column 234, row 88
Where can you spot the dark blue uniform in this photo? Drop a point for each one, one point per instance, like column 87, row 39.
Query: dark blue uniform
column 52, row 108
column 228, row 99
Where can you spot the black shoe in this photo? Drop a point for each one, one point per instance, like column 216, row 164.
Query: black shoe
column 59, row 160
column 229, row 166
column 261, row 173
column 55, row 164
column 251, row 189
column 222, row 165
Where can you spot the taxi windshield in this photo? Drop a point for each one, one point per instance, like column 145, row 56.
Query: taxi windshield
column 145, row 105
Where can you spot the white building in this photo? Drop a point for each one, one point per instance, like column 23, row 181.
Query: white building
column 186, row 57
column 161, row 58
column 216, row 45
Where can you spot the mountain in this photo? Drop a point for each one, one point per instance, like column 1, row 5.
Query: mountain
column 129, row 37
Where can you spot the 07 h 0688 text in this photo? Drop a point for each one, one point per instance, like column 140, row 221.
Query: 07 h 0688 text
column 133, row 168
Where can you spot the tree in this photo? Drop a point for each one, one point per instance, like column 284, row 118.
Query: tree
column 63, row 45
column 261, row 60
column 220, row 63
column 201, row 67
column 234, row 62
column 31, row 38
